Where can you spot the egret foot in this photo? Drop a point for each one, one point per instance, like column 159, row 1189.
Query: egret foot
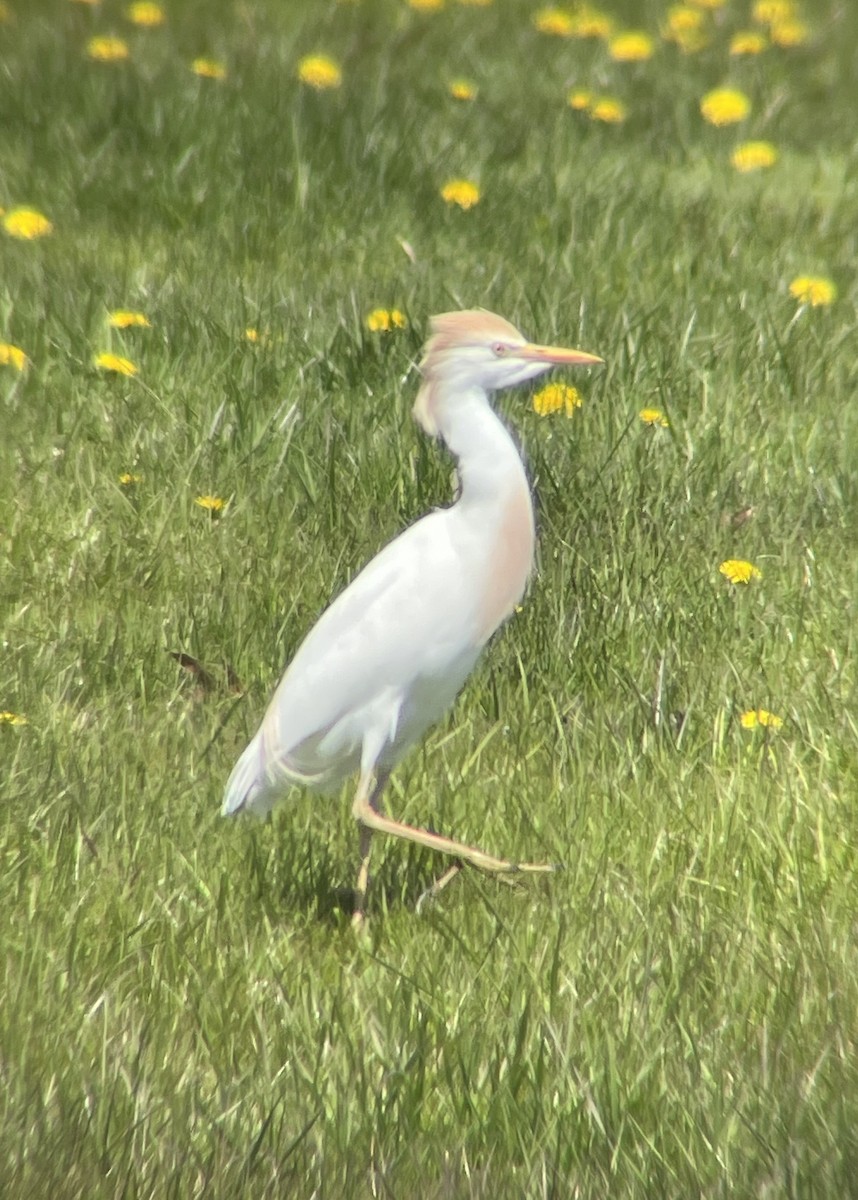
column 508, row 877
column 434, row 889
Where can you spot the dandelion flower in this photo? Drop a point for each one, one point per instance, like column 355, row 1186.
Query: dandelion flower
column 115, row 363
column 214, row 505
column 146, row 14
column 685, row 27
column 556, row 396
column 123, row 318
column 631, row 47
column 107, row 49
column 11, row 718
column 748, row 41
column 128, row 479
column 755, row 717
column 653, row 416
column 554, row 21
column 753, row 156
column 609, row 110
column 814, row 290
column 462, row 89
column 383, row 320
column 592, row 23
column 319, row 72
column 208, row 68
column 683, row 19
column 26, row 223
column 13, row 356
column 737, row 570
column 725, row 106
column 580, row 100
column 600, row 108
column 426, row 5
column 789, row 33
column 767, row 12
column 462, row 192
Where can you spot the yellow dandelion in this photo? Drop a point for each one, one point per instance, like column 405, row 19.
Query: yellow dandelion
column 682, row 19
column 556, row 396
column 462, row 89
column 462, row 192
column 814, row 290
column 592, row 23
column 123, row 318
column 725, row 106
column 251, row 334
column 554, row 21
column 319, row 72
column 12, row 718
column 214, row 505
column 208, row 68
column 748, row 41
column 580, row 100
column 128, row 479
column 13, row 356
column 754, row 156
column 26, row 223
column 755, row 717
column 768, row 12
column 653, row 416
column 383, row 320
column 631, row 47
column 737, row 570
column 789, row 33
column 608, row 109
column 146, row 14
column 426, row 5
column 107, row 49
column 115, row 363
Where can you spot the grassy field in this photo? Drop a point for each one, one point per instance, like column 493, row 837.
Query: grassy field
column 186, row 1010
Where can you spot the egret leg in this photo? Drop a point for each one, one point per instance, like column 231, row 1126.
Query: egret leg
column 365, row 812
column 371, row 786
column 438, row 886
column 363, row 877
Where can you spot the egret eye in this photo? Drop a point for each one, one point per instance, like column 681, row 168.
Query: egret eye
column 499, row 349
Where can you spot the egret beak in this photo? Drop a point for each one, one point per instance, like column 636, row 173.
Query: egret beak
column 557, row 356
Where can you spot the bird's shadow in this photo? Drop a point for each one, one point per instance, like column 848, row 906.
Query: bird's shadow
column 303, row 876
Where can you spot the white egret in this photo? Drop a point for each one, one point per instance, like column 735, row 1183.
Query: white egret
column 390, row 654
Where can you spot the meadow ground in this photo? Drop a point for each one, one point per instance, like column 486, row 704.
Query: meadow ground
column 186, row 1011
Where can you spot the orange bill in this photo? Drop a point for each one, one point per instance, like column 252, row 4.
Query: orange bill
column 557, row 355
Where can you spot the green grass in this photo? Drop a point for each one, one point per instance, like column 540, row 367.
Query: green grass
column 186, row 1011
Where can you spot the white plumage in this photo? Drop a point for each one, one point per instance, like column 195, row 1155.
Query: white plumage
column 389, row 655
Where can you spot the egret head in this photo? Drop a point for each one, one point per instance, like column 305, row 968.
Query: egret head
column 478, row 349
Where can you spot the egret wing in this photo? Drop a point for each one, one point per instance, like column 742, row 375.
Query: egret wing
column 398, row 630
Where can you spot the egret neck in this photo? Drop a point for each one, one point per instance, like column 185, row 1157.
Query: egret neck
column 494, row 513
